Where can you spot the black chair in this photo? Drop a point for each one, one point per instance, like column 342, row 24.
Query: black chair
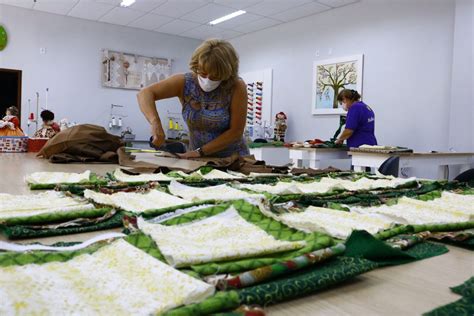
column 390, row 166
column 467, row 176
column 174, row 147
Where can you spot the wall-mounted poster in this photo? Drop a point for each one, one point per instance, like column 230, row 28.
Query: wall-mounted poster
column 129, row 71
column 330, row 77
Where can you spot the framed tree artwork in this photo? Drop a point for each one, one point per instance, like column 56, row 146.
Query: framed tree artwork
column 330, row 77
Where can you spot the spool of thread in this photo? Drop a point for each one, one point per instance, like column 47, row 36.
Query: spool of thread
column 120, row 122
column 114, row 122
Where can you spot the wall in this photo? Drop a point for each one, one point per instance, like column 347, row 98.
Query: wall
column 407, row 74
column 71, row 66
column 461, row 131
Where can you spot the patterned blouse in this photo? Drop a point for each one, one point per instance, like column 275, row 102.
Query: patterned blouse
column 207, row 115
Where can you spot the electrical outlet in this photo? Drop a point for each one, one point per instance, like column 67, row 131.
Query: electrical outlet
column 43, row 50
column 317, row 53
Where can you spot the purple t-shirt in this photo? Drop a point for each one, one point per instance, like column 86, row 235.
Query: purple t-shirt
column 361, row 119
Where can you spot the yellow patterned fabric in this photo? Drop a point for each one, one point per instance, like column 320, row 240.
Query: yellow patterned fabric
column 450, row 208
column 327, row 184
column 36, row 204
column 219, row 192
column 117, row 279
column 136, row 202
column 215, row 174
column 336, row 223
column 57, row 177
column 217, row 238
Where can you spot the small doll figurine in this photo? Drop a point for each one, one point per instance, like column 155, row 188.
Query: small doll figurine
column 10, row 124
column 280, row 127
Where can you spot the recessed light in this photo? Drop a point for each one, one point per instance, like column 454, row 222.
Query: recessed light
column 227, row 17
column 127, row 3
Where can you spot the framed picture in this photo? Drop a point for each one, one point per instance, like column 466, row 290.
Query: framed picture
column 330, row 76
column 131, row 71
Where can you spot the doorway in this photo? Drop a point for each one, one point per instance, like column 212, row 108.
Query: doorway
column 10, row 90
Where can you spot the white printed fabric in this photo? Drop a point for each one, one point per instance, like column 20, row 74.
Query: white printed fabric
column 136, row 202
column 326, row 185
column 450, row 208
column 36, row 204
column 215, row 174
column 218, row 238
column 145, row 177
column 117, row 279
column 338, row 224
column 219, row 192
column 57, row 177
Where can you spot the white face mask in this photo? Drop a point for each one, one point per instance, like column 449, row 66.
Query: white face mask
column 207, row 84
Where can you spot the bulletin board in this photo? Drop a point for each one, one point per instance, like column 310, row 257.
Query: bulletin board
column 131, row 71
column 259, row 96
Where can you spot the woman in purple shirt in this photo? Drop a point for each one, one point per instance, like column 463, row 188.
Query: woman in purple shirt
column 360, row 123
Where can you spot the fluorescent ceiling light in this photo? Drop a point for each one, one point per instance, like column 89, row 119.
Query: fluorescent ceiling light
column 226, row 17
column 127, row 3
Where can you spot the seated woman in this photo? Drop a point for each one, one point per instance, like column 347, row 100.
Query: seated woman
column 49, row 128
column 10, row 124
column 213, row 99
column 360, row 122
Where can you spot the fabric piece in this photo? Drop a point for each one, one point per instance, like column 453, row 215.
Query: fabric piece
column 57, row 177
column 24, row 206
column 362, row 244
column 463, row 306
column 121, row 176
column 407, row 241
column 113, row 272
column 273, row 271
column 327, row 184
column 207, row 115
column 136, row 202
column 5, row 246
column 252, row 214
column 216, row 174
column 23, row 232
column 221, row 301
column 306, row 281
column 83, row 142
column 465, row 289
column 411, row 211
column 217, row 238
column 220, row 192
column 335, row 223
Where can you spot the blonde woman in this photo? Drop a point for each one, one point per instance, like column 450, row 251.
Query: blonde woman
column 213, row 99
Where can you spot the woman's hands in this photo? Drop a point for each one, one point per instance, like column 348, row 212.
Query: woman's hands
column 190, row 154
column 158, row 134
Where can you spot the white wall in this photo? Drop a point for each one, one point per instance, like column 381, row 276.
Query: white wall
column 461, row 131
column 71, row 66
column 407, row 75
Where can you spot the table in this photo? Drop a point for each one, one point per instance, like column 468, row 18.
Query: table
column 320, row 158
column 276, row 156
column 409, row 289
column 442, row 160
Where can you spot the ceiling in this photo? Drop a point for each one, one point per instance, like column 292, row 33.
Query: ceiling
column 188, row 18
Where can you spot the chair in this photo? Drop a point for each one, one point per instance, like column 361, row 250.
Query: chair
column 467, row 176
column 390, row 166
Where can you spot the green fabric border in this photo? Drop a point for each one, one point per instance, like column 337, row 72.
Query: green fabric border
column 22, row 232
column 54, row 217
